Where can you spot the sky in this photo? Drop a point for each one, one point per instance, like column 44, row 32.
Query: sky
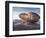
column 17, row 10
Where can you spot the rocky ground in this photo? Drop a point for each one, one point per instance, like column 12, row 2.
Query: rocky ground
column 18, row 25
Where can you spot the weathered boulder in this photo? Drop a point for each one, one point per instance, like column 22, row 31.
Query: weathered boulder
column 29, row 17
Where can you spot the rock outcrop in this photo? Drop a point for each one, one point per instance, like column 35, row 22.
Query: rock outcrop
column 29, row 17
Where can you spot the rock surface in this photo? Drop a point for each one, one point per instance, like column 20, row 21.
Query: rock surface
column 29, row 17
column 19, row 25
